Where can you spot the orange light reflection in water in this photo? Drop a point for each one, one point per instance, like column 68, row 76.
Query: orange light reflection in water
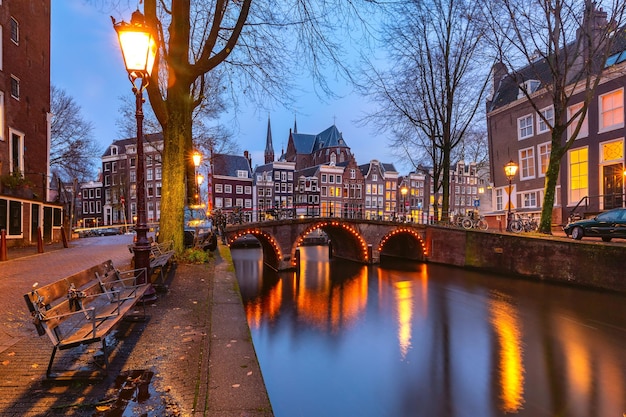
column 508, row 330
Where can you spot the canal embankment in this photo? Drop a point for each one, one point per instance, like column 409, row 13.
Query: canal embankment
column 591, row 264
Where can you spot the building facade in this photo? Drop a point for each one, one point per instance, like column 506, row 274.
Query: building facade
column 591, row 173
column 25, row 123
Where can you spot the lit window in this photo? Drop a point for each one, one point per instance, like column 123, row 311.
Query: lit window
column 612, row 110
column 525, row 126
column 578, row 175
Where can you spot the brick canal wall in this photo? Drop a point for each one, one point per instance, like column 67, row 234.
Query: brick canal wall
column 587, row 263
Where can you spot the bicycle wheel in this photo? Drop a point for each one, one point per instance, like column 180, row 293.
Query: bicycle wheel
column 467, row 224
column 482, row 224
column 517, row 226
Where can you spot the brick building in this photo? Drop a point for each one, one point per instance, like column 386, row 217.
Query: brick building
column 25, row 123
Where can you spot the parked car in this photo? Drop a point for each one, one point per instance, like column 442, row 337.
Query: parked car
column 199, row 231
column 606, row 225
column 110, row 231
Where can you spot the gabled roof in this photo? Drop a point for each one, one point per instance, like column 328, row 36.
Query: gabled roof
column 307, row 144
column 507, row 89
column 228, row 165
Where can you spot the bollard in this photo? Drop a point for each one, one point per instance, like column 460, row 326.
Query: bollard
column 64, row 238
column 39, row 240
column 3, row 245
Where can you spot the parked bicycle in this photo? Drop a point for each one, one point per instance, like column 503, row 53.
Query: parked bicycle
column 474, row 221
column 524, row 224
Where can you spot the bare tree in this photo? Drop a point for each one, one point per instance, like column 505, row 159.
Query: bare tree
column 430, row 97
column 254, row 43
column 73, row 152
column 563, row 44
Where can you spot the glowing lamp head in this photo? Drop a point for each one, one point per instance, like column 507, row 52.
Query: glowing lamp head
column 510, row 170
column 138, row 44
column 196, row 157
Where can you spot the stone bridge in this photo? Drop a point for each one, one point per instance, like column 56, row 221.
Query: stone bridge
column 356, row 240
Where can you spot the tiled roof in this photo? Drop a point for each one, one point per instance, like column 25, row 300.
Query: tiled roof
column 228, row 165
column 307, row 144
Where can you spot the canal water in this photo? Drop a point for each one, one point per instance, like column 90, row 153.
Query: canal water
column 342, row 339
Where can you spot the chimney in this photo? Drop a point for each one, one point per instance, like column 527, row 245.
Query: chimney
column 246, row 155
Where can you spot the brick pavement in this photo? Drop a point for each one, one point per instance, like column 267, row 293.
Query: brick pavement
column 196, row 343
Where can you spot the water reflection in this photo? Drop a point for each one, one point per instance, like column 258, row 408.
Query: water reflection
column 339, row 339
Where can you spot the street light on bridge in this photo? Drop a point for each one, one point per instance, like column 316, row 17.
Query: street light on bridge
column 139, row 48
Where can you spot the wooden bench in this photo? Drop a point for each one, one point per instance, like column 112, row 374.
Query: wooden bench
column 160, row 256
column 83, row 308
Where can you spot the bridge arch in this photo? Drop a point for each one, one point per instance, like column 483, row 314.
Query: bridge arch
column 403, row 242
column 272, row 253
column 345, row 241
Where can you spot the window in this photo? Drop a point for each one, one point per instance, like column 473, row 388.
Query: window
column 338, row 179
column 525, row 127
column 218, row 188
column 352, row 173
column 248, row 190
column 283, row 176
column 527, row 163
column 530, row 86
column 239, row 189
column 578, row 174
column 548, row 114
column 374, row 177
column 15, row 87
column 543, row 151
column 277, row 175
column 158, row 173
column 228, row 188
column 611, row 110
column 133, row 176
column 499, row 204
column 529, row 199
column 16, row 151
column 584, row 128
column 324, row 178
column 242, row 174
column 15, row 31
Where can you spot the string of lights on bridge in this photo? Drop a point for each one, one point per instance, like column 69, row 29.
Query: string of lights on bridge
column 402, row 230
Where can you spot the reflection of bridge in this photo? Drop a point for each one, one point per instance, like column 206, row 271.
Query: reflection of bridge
column 357, row 240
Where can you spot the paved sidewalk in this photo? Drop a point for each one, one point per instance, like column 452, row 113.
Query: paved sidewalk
column 195, row 349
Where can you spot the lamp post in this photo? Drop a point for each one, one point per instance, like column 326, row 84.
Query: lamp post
column 404, row 191
column 510, row 170
column 199, row 180
column 197, row 158
column 139, row 51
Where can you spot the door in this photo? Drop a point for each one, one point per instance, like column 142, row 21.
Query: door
column 34, row 221
column 613, row 182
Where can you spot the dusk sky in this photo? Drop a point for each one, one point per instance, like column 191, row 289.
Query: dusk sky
column 87, row 64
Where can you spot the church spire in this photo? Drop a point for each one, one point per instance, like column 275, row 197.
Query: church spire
column 269, row 147
column 295, row 124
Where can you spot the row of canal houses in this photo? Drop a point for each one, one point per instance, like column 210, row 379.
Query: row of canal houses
column 316, row 176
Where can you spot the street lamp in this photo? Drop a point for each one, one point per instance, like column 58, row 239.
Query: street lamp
column 403, row 191
column 510, row 170
column 139, row 50
column 197, row 158
column 199, row 180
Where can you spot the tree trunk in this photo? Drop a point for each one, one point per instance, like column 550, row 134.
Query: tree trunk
column 552, row 175
column 177, row 138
